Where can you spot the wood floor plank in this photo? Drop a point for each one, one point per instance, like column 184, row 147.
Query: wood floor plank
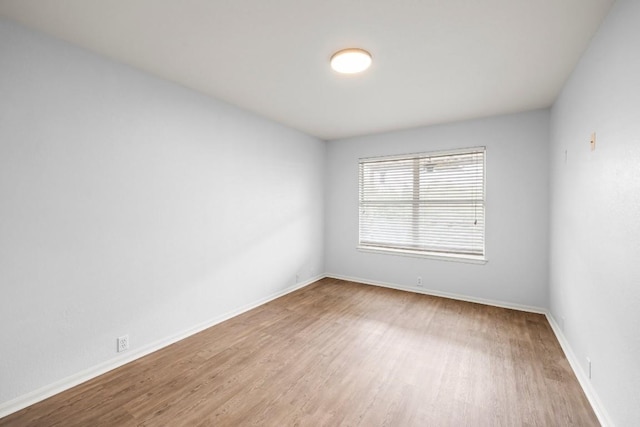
column 337, row 353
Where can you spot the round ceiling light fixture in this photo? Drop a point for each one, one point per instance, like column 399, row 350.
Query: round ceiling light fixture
column 351, row 61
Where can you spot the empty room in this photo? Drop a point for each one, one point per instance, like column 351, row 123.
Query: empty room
column 319, row 213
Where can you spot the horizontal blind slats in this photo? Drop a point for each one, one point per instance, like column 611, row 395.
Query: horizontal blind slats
column 429, row 202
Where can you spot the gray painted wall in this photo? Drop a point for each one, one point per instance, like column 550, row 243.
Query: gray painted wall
column 132, row 205
column 516, row 210
column 595, row 210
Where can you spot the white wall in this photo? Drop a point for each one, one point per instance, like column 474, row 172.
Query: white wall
column 123, row 209
column 595, row 212
column 516, row 210
column 132, row 205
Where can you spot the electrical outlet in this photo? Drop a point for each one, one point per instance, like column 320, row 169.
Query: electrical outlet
column 589, row 368
column 297, row 278
column 562, row 323
column 123, row 343
column 420, row 281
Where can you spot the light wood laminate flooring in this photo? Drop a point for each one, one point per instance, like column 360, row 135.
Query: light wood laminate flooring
column 337, row 353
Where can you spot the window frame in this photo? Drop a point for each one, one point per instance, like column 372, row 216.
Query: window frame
column 421, row 253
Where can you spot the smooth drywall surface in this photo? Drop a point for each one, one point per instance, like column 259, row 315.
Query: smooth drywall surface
column 516, row 210
column 129, row 205
column 595, row 211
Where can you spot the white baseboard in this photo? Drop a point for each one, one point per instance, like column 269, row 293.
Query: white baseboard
column 583, row 378
column 513, row 306
column 49, row 390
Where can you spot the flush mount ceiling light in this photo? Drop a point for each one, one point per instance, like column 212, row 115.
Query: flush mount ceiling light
column 351, row 61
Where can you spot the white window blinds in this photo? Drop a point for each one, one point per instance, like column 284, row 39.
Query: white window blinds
column 430, row 203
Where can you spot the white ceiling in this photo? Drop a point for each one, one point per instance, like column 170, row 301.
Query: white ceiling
column 435, row 61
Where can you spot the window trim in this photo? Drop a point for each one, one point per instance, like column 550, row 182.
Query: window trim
column 444, row 256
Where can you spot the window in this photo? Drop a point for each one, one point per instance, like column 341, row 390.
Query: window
column 429, row 204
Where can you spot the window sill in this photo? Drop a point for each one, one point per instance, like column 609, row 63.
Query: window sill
column 469, row 259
